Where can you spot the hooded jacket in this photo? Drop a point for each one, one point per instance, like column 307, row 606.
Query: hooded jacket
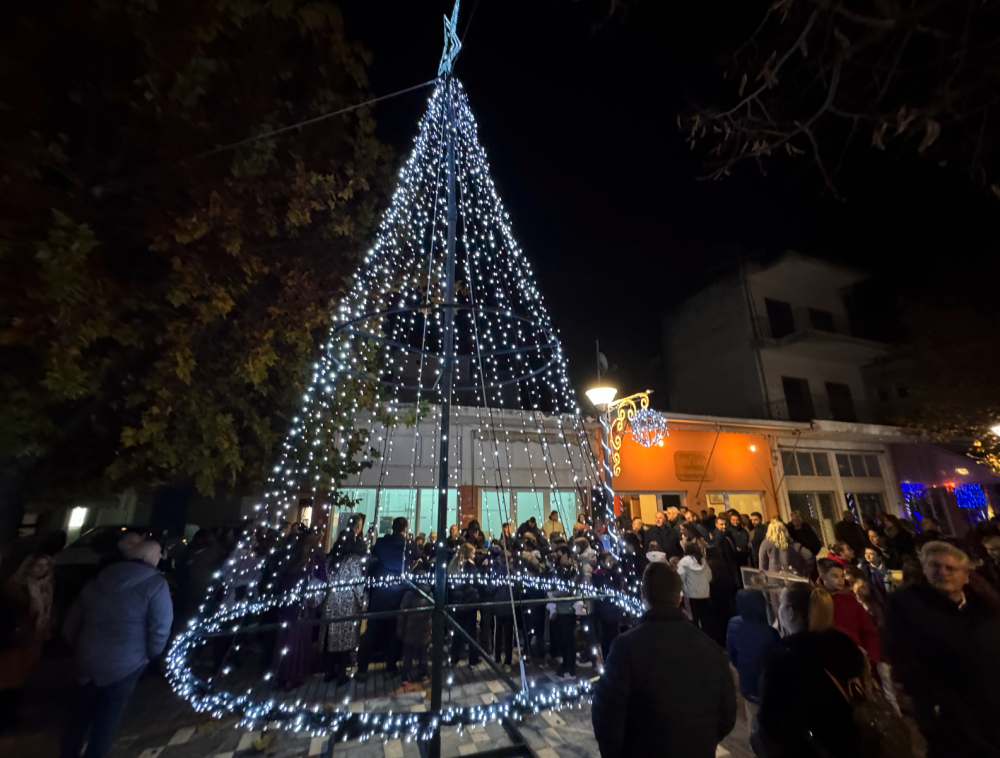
column 120, row 621
column 751, row 641
column 695, row 576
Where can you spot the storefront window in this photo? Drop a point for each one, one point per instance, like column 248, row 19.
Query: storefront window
column 816, row 509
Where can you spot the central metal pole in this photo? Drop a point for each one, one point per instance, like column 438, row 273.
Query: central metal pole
column 447, row 375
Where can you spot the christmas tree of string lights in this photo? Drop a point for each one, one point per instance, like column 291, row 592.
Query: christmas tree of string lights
column 444, row 313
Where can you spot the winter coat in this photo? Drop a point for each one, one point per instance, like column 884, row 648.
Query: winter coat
column 465, row 592
column 608, row 580
column 391, row 553
column 795, row 557
column 636, row 710
column 800, row 704
column 415, row 629
column 852, row 533
column 751, row 641
column 342, row 636
column 120, row 620
column 851, row 618
column 727, row 575
column 666, row 537
column 587, row 561
column 901, row 543
column 695, row 577
column 551, row 526
column 757, row 536
column 806, row 537
column 740, row 538
column 946, row 657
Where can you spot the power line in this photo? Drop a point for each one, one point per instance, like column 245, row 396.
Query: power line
column 100, row 189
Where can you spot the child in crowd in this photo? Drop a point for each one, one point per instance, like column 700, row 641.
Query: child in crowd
column 849, row 616
column 871, row 601
column 751, row 641
column 566, row 570
column 654, row 554
column 842, row 553
column 696, row 577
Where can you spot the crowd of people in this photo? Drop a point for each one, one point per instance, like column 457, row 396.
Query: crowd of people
column 888, row 617
column 828, row 671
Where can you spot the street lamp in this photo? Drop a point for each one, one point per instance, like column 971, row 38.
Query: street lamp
column 994, row 429
column 602, row 397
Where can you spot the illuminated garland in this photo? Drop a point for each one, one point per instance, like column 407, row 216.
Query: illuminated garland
column 381, row 364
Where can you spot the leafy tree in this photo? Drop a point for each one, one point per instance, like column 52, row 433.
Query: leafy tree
column 818, row 77
column 161, row 299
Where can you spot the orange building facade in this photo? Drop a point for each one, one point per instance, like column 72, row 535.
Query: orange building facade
column 698, row 468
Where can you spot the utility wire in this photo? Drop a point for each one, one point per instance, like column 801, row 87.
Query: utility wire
column 100, row 189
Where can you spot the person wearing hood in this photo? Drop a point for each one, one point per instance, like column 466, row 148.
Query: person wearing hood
column 751, row 641
column 696, row 578
column 120, row 621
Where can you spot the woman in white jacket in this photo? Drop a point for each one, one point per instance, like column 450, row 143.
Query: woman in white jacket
column 696, row 577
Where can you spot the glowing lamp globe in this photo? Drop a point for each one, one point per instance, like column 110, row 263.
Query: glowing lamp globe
column 994, row 429
column 602, row 397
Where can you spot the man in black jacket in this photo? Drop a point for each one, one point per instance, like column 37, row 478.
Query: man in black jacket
column 801, row 532
column 847, row 530
column 943, row 638
column 651, row 704
column 665, row 536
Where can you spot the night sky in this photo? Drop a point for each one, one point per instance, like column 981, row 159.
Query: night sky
column 605, row 198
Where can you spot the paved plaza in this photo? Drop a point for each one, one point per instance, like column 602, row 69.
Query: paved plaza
column 161, row 725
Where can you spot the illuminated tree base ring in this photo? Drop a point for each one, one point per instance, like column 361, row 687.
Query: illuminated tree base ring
column 400, row 715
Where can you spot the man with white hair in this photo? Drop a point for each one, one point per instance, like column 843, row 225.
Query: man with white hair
column 120, row 621
column 942, row 639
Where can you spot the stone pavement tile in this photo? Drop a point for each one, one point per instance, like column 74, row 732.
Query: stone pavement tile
column 182, row 736
column 152, row 752
column 393, row 749
column 553, row 718
column 246, row 741
column 547, row 752
column 230, row 754
column 468, row 749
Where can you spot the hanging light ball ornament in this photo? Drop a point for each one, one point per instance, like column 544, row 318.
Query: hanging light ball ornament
column 648, row 427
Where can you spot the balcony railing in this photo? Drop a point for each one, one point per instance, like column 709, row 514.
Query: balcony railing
column 802, row 319
column 816, row 408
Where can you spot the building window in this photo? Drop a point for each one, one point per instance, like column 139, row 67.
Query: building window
column 804, row 463
column 779, row 317
column 883, row 395
column 841, row 404
column 788, row 463
column 821, row 320
column 816, row 509
column 798, row 401
column 865, row 505
column 857, row 465
column 822, row 461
